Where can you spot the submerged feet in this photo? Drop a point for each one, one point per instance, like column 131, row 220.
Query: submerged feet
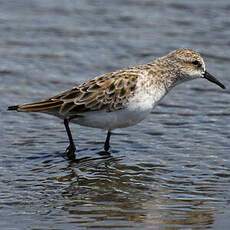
column 70, row 152
column 106, row 147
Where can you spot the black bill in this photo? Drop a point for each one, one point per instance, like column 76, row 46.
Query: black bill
column 211, row 78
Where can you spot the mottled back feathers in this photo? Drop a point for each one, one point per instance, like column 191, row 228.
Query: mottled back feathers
column 108, row 92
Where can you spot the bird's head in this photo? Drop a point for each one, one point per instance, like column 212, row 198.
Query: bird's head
column 190, row 65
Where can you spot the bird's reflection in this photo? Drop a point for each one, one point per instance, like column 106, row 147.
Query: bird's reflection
column 109, row 189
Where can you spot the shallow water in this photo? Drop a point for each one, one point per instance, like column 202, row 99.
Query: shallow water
column 171, row 171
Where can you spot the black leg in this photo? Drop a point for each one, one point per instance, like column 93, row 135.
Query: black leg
column 106, row 145
column 70, row 151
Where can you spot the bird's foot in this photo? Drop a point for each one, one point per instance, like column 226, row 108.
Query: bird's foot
column 104, row 153
column 70, row 152
column 106, row 148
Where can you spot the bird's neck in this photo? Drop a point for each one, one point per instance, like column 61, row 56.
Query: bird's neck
column 164, row 74
column 149, row 91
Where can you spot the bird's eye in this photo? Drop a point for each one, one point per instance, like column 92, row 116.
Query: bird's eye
column 197, row 63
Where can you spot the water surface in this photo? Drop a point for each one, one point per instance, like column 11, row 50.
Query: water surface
column 172, row 171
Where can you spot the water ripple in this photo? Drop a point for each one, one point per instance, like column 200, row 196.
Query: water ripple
column 171, row 171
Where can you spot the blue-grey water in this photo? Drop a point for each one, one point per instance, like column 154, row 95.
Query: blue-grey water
column 172, row 171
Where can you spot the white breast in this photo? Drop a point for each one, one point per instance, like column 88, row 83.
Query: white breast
column 146, row 99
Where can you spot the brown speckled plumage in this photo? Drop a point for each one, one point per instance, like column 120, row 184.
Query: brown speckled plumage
column 122, row 98
column 112, row 91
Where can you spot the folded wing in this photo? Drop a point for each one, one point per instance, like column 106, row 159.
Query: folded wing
column 108, row 92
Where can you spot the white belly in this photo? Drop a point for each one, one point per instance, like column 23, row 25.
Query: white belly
column 138, row 109
column 111, row 120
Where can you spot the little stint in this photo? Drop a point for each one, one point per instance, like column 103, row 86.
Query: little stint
column 122, row 98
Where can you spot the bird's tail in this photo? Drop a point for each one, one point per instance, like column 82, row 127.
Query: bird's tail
column 41, row 106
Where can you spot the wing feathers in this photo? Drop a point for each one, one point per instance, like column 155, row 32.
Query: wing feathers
column 109, row 92
column 38, row 106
